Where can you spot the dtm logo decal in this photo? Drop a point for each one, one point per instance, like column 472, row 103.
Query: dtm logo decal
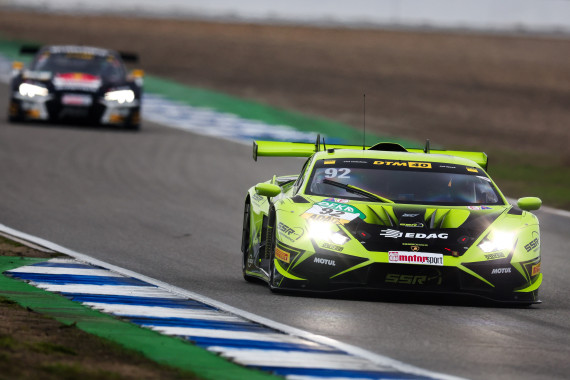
column 320, row 260
column 501, row 270
column 395, row 234
column 422, row 165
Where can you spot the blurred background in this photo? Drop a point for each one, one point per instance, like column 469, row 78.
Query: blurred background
column 483, row 75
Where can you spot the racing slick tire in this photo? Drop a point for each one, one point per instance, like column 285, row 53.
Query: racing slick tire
column 270, row 246
column 245, row 242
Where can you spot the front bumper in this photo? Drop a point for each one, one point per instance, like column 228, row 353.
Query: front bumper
column 330, row 272
column 92, row 110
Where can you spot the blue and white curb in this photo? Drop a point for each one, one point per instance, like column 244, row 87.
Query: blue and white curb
column 237, row 335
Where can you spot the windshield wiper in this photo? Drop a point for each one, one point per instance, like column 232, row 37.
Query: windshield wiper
column 357, row 190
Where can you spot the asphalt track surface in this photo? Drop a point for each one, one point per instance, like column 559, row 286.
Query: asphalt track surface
column 168, row 204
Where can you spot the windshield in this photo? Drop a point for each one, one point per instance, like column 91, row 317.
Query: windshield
column 429, row 183
column 108, row 67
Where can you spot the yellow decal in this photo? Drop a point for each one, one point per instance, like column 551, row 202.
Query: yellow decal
column 535, row 269
column 328, row 162
column 473, row 170
column 421, row 165
column 282, row 255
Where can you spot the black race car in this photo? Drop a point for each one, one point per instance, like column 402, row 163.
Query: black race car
column 77, row 83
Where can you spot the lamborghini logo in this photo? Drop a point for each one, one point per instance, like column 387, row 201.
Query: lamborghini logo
column 415, row 248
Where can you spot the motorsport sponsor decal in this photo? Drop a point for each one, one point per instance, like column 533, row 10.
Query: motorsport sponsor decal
column 409, row 164
column 329, row 162
column 501, row 270
column 479, row 208
column 292, row 234
column 282, row 255
column 395, row 234
column 424, row 258
column 534, row 243
column 410, row 215
column 320, row 260
column 415, row 248
column 474, row 170
column 492, row 256
column 535, row 269
column 332, row 247
column 337, row 213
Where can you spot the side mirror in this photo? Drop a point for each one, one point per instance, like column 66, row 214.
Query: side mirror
column 267, row 189
column 137, row 76
column 529, row 203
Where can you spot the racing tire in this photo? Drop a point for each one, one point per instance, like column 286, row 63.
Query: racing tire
column 271, row 243
column 245, row 243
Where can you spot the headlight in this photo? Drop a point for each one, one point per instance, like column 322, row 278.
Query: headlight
column 323, row 231
column 498, row 241
column 120, row 96
column 32, row 90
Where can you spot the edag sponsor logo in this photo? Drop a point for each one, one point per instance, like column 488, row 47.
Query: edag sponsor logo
column 395, row 234
column 424, row 258
column 421, row 165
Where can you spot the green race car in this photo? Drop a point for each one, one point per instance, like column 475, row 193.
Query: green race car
column 389, row 218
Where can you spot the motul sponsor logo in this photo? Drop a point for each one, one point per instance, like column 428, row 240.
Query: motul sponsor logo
column 501, row 270
column 320, row 260
column 395, row 234
column 425, row 258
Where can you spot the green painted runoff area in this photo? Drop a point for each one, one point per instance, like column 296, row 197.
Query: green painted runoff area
column 163, row 349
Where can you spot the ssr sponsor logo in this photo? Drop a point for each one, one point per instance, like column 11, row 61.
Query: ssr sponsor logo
column 333, row 247
column 282, row 255
column 424, row 258
column 535, row 269
column 409, row 164
column 408, row 279
column 534, row 244
column 292, row 234
column 493, row 256
column 395, row 234
column 501, row 270
column 320, row 260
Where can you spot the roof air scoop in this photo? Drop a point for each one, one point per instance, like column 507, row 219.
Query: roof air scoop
column 388, row 147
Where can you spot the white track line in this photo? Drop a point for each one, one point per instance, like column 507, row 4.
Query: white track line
column 373, row 357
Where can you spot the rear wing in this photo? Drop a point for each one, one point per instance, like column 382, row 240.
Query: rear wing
column 125, row 56
column 293, row 149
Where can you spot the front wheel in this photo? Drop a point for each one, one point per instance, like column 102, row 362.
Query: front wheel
column 245, row 242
